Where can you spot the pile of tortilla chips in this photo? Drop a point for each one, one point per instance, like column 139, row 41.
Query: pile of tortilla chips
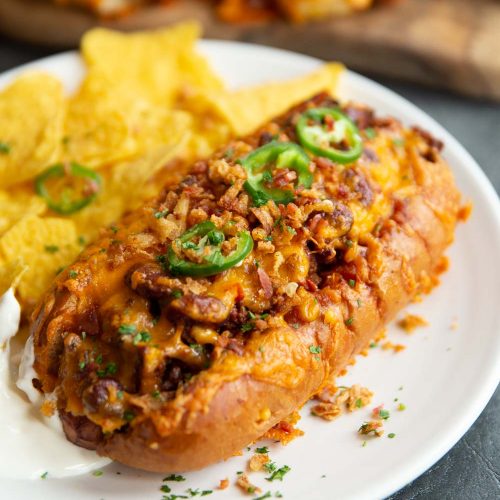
column 148, row 100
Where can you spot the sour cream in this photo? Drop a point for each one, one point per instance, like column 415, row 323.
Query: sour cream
column 30, row 443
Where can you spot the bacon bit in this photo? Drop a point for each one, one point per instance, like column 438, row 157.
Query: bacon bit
column 48, row 408
column 223, row 484
column 443, row 265
column 236, row 345
column 324, row 163
column 244, row 483
column 410, row 322
column 310, row 286
column 395, row 347
column 464, row 211
column 265, row 282
column 314, row 222
column 372, row 427
column 328, row 394
column 257, row 462
column 285, row 431
column 284, row 177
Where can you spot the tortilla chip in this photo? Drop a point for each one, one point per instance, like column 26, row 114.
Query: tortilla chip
column 248, row 108
column 18, row 202
column 31, row 119
column 43, row 245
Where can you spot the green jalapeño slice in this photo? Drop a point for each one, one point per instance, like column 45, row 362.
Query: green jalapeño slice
column 330, row 133
column 264, row 163
column 68, row 188
column 199, row 253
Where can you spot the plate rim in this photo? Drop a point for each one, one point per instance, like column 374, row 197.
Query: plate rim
column 432, row 452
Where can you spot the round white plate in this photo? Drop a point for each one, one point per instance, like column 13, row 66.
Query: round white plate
column 445, row 376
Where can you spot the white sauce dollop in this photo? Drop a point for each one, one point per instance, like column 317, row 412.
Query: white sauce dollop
column 30, row 443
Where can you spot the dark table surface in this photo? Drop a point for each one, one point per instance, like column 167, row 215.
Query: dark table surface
column 471, row 469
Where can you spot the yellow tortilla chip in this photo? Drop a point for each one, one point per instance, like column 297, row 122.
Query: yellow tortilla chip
column 18, row 202
column 150, row 64
column 248, row 108
column 31, row 119
column 43, row 245
column 10, row 274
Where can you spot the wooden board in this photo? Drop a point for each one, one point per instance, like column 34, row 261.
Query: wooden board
column 453, row 44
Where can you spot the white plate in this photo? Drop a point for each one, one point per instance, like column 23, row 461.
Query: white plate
column 444, row 377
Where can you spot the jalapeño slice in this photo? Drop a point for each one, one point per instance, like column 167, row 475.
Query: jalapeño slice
column 206, row 240
column 68, row 188
column 260, row 165
column 330, row 133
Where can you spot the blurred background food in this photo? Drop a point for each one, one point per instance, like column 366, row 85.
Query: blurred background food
column 236, row 10
column 450, row 44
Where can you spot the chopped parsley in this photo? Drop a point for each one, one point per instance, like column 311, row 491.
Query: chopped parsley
column 113, row 228
column 97, row 473
column 81, row 240
column 269, row 238
column 44, row 475
column 384, row 414
column 373, row 344
column 314, row 349
column 370, row 132
column 246, row 327
column 174, row 477
column 128, row 415
column 162, row 260
column 267, row 494
column 4, row 148
column 72, row 274
column 127, row 329
column 197, row 348
column 291, row 230
column 352, row 283
column 398, row 142
column 204, row 493
column 401, row 407
column 295, row 325
column 266, row 176
column 177, row 294
column 142, row 337
column 278, row 474
column 262, row 450
column 51, row 248
column 349, row 321
column 110, row 369
column 391, row 435
column 156, row 394
column 349, row 243
column 269, row 466
column 119, row 394
column 82, row 365
column 278, row 494
column 173, row 497
column 165, row 488
column 359, row 403
column 160, row 214
column 189, row 245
